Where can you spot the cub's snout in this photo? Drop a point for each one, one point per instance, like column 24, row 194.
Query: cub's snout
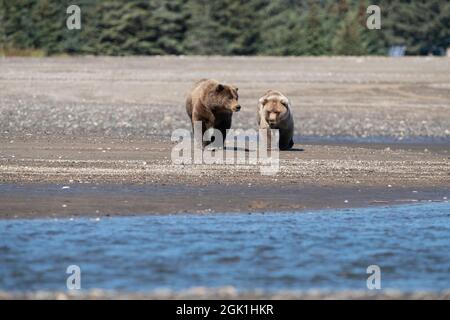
column 272, row 119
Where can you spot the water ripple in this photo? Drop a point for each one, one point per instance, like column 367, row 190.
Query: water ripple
column 299, row 251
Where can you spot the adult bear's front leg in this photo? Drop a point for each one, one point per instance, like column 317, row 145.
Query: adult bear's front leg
column 224, row 125
column 206, row 123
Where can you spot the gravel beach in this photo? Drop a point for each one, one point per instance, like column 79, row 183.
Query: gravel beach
column 230, row 293
column 91, row 136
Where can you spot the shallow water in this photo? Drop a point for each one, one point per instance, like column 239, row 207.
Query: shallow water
column 294, row 251
column 425, row 141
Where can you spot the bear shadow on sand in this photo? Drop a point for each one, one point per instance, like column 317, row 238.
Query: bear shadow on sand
column 247, row 150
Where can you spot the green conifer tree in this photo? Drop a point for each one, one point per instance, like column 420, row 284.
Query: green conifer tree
column 348, row 39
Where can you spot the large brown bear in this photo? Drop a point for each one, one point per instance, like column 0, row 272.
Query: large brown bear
column 275, row 112
column 213, row 104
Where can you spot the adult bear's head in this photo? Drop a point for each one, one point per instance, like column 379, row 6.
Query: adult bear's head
column 224, row 98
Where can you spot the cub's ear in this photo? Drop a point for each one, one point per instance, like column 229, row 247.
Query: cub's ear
column 285, row 102
column 236, row 88
column 220, row 87
column 263, row 101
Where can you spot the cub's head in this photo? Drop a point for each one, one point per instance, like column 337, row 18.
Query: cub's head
column 226, row 98
column 274, row 107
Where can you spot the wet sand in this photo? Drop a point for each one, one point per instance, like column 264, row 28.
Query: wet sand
column 58, row 179
column 101, row 126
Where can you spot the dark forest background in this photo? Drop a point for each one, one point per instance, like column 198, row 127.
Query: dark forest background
column 225, row 27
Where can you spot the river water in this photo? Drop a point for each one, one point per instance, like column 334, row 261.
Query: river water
column 327, row 249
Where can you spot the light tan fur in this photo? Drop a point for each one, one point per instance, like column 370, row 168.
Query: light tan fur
column 274, row 112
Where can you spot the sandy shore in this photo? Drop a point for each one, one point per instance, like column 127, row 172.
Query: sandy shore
column 101, row 126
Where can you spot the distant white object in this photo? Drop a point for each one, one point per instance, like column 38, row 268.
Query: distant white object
column 448, row 52
column 397, row 51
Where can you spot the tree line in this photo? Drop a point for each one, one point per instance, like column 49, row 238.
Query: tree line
column 225, row 27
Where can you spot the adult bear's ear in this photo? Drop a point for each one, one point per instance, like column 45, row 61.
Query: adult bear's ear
column 220, row 87
column 285, row 102
column 263, row 101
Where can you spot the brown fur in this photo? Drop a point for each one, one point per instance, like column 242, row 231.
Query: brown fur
column 213, row 104
column 274, row 112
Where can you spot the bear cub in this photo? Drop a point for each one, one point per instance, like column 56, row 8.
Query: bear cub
column 274, row 112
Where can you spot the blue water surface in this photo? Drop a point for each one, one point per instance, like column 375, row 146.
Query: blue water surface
column 280, row 251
